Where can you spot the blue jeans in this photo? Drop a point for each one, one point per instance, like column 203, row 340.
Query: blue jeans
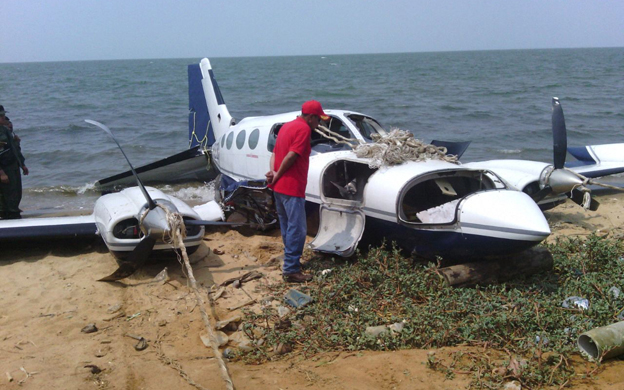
column 292, row 219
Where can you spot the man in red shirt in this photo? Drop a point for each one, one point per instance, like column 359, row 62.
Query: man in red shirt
column 288, row 178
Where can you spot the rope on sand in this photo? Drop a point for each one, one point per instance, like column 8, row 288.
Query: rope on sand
column 176, row 235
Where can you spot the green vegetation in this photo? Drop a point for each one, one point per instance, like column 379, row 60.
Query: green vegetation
column 522, row 330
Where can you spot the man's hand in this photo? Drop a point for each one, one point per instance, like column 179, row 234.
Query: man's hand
column 4, row 179
column 25, row 170
column 270, row 176
column 16, row 138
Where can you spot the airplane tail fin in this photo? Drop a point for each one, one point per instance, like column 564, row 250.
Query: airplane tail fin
column 200, row 130
column 220, row 118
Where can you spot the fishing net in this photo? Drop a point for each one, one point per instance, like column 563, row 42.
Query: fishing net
column 399, row 146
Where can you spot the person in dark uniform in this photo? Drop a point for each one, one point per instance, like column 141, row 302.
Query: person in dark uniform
column 11, row 160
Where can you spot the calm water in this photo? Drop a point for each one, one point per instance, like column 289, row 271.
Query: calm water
column 498, row 99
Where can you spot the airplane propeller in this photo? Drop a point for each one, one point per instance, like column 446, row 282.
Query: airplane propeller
column 153, row 223
column 559, row 180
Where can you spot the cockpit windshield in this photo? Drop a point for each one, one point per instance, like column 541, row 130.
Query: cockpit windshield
column 367, row 126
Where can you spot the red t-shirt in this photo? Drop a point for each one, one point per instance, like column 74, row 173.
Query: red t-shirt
column 293, row 137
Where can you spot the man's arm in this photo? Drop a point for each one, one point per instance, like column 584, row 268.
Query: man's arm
column 270, row 175
column 3, row 177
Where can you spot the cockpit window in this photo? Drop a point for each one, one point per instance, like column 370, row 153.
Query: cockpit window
column 367, row 126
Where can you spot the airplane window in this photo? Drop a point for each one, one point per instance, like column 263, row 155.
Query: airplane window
column 230, row 138
column 223, row 140
column 273, row 136
column 253, row 138
column 367, row 126
column 240, row 139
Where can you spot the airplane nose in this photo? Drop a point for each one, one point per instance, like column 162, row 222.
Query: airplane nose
column 155, row 222
column 509, row 215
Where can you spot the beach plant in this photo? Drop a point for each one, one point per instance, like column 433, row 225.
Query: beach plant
column 521, row 328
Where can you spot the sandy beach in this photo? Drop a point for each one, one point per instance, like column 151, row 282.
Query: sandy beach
column 49, row 293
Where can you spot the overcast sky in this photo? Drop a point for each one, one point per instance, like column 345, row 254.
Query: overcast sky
column 59, row 30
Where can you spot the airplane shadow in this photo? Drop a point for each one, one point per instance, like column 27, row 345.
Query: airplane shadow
column 36, row 250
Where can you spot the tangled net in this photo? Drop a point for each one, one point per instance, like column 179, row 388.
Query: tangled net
column 400, row 146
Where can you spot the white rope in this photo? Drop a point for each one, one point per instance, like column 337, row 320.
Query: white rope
column 399, row 146
column 338, row 138
column 175, row 237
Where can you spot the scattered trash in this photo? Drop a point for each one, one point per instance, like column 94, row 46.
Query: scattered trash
column 575, row 303
column 544, row 341
column 141, row 345
column 326, row 271
column 236, row 284
column 283, row 324
column 397, row 327
column 102, row 352
column 135, row 315
column 222, row 339
column 242, row 341
column 282, row 311
column 93, row 368
column 353, row 309
column 243, row 279
column 246, row 303
column 615, row 292
column 512, row 386
column 28, row 375
column 162, row 277
column 229, row 321
column 91, row 328
column 375, row 331
column 219, row 293
column 228, row 353
column 9, row 377
column 282, row 348
column 118, row 315
column 296, row 298
column 218, row 251
column 602, row 343
column 114, row 308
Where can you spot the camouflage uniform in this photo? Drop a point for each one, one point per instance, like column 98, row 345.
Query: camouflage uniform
column 11, row 192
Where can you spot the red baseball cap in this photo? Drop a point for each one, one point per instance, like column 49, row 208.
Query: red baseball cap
column 312, row 107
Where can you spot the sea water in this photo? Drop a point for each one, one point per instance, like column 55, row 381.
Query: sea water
column 500, row 100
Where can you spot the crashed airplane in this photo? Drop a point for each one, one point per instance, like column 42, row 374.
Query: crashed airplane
column 429, row 208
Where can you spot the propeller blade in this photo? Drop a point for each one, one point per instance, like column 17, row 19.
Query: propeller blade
column 134, row 261
column 541, row 194
column 578, row 197
column 199, row 222
column 560, row 142
column 151, row 204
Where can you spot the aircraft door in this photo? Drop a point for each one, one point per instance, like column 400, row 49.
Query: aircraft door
column 340, row 230
column 342, row 220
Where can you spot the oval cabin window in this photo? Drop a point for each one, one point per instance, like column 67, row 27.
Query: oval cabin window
column 240, row 139
column 253, row 138
column 228, row 142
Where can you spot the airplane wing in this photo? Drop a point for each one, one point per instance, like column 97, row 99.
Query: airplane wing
column 597, row 160
column 47, row 227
